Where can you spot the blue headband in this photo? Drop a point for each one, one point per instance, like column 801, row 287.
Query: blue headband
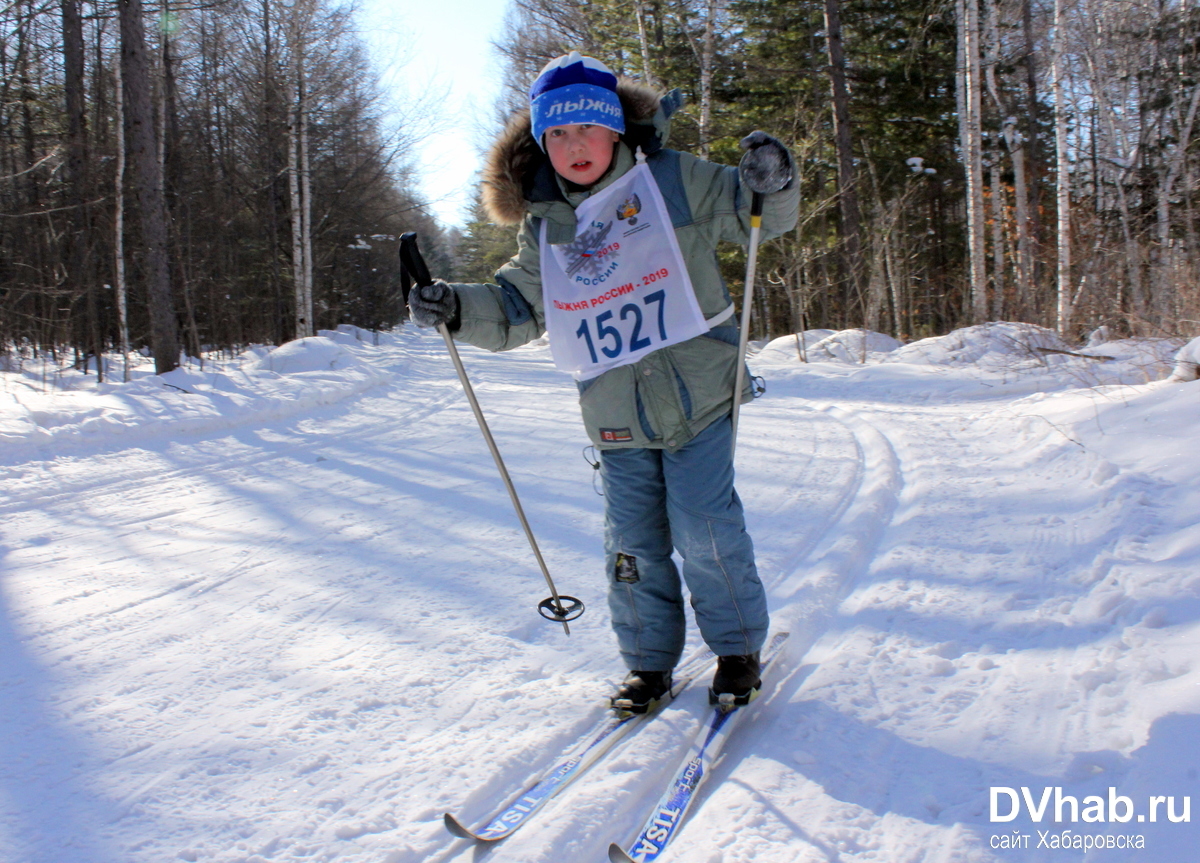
column 575, row 89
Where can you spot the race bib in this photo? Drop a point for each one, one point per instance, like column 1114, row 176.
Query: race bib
column 620, row 290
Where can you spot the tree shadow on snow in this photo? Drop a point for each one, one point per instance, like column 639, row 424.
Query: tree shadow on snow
column 872, row 768
column 47, row 803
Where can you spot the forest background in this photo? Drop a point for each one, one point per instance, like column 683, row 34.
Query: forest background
column 188, row 177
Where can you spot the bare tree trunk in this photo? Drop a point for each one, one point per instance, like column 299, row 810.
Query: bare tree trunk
column 1133, row 252
column 269, row 160
column 143, row 151
column 1030, row 141
column 119, row 224
column 169, row 157
column 306, row 207
column 972, row 150
column 79, row 237
column 1021, row 207
column 644, row 43
column 707, row 57
column 997, row 235
column 1014, row 143
column 1192, row 249
column 300, row 184
column 876, row 284
column 852, row 260
column 1063, row 178
column 297, row 210
column 895, row 285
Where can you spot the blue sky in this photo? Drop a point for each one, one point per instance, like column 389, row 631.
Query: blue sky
column 441, row 51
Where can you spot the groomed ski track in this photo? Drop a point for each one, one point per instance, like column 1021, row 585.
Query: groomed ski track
column 305, row 638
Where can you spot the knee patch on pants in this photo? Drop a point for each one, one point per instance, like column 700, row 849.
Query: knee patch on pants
column 625, row 570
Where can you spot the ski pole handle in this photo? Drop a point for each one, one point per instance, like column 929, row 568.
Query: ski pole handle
column 411, row 264
column 411, row 261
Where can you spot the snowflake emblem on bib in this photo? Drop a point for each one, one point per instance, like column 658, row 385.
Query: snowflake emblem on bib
column 585, row 251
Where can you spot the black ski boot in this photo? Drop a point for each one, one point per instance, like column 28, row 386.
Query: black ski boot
column 737, row 680
column 641, row 691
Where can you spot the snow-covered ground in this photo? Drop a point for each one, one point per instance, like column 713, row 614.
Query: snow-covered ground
column 279, row 609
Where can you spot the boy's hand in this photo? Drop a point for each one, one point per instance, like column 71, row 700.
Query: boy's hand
column 432, row 305
column 767, row 165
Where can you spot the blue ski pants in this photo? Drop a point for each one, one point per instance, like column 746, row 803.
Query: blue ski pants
column 656, row 501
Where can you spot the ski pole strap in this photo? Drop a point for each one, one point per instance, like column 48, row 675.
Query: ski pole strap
column 720, row 317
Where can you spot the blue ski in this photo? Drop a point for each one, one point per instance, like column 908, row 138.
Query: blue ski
column 583, row 754
column 672, row 807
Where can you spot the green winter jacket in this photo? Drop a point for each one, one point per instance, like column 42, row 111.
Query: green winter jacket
column 674, row 393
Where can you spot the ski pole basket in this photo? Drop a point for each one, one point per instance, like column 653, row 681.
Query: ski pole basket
column 566, row 608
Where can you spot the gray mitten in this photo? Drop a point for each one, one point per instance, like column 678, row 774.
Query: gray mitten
column 431, row 305
column 767, row 165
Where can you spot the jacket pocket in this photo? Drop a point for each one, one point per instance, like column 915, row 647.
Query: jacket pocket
column 611, row 415
column 707, row 366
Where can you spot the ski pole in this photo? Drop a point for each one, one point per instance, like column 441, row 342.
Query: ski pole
column 756, row 208
column 557, row 608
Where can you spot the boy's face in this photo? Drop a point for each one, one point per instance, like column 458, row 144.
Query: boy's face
column 580, row 152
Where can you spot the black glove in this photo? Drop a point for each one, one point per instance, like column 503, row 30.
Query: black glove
column 431, row 305
column 767, row 165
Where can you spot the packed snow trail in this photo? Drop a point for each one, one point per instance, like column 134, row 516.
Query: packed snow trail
column 299, row 635
column 277, row 638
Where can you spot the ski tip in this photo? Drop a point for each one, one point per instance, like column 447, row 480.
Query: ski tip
column 456, row 827
column 617, row 854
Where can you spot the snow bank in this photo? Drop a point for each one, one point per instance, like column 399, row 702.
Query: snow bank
column 1000, row 346
column 1187, row 363
column 852, row 346
column 993, row 344
column 44, row 406
column 258, row 385
column 787, row 347
column 830, row 346
column 1149, row 428
column 1132, row 361
column 316, row 354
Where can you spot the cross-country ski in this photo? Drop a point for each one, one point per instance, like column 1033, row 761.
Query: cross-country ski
column 672, row 809
column 610, row 730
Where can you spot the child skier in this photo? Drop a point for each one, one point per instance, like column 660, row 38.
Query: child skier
column 616, row 260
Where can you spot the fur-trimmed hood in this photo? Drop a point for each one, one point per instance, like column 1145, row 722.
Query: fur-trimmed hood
column 517, row 172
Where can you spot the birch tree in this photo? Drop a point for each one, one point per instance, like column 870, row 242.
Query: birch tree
column 644, row 43
column 1063, row 175
column 971, row 125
